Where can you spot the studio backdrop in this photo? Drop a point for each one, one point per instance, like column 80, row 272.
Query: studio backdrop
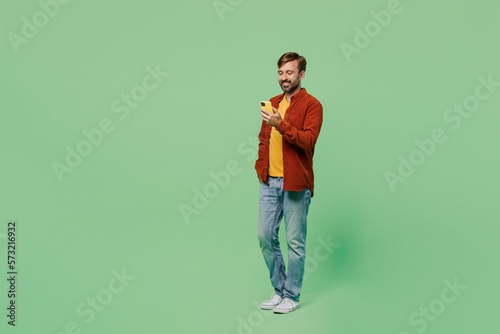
column 128, row 194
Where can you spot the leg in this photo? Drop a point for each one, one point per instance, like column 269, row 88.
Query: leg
column 296, row 207
column 270, row 215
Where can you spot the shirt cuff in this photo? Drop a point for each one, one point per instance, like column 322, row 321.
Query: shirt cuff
column 281, row 128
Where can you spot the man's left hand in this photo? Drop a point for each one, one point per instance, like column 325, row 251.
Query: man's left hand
column 271, row 119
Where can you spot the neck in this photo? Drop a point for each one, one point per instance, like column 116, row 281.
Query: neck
column 289, row 95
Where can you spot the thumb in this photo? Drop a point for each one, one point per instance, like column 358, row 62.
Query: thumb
column 274, row 110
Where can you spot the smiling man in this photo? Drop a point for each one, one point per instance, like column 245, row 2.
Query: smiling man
column 284, row 168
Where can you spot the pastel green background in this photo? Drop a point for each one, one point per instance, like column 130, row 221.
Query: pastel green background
column 119, row 209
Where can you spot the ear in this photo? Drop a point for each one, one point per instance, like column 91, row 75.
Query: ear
column 302, row 74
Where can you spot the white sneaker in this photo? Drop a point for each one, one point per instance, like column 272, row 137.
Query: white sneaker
column 271, row 303
column 286, row 305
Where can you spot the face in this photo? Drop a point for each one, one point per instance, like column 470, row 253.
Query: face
column 288, row 76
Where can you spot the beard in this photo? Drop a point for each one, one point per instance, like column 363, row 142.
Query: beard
column 292, row 85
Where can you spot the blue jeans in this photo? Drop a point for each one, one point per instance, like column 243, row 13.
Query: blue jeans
column 275, row 204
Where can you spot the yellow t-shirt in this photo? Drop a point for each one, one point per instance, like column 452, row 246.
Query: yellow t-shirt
column 276, row 145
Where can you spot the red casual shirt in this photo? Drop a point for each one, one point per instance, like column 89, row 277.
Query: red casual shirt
column 300, row 130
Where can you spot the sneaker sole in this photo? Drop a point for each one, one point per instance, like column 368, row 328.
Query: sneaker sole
column 268, row 307
column 286, row 311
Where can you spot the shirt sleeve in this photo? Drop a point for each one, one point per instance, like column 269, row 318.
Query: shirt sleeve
column 307, row 137
column 259, row 164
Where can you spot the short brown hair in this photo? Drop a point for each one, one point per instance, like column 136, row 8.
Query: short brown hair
column 289, row 56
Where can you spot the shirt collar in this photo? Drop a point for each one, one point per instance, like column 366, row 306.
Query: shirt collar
column 295, row 96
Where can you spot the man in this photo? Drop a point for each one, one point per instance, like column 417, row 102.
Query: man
column 284, row 167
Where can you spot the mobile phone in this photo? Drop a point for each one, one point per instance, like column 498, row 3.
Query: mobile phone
column 267, row 106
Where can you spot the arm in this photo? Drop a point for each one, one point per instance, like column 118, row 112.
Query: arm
column 305, row 138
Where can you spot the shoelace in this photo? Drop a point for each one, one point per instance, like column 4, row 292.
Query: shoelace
column 286, row 303
column 274, row 299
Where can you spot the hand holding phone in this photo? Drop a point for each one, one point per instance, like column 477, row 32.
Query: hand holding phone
column 272, row 117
